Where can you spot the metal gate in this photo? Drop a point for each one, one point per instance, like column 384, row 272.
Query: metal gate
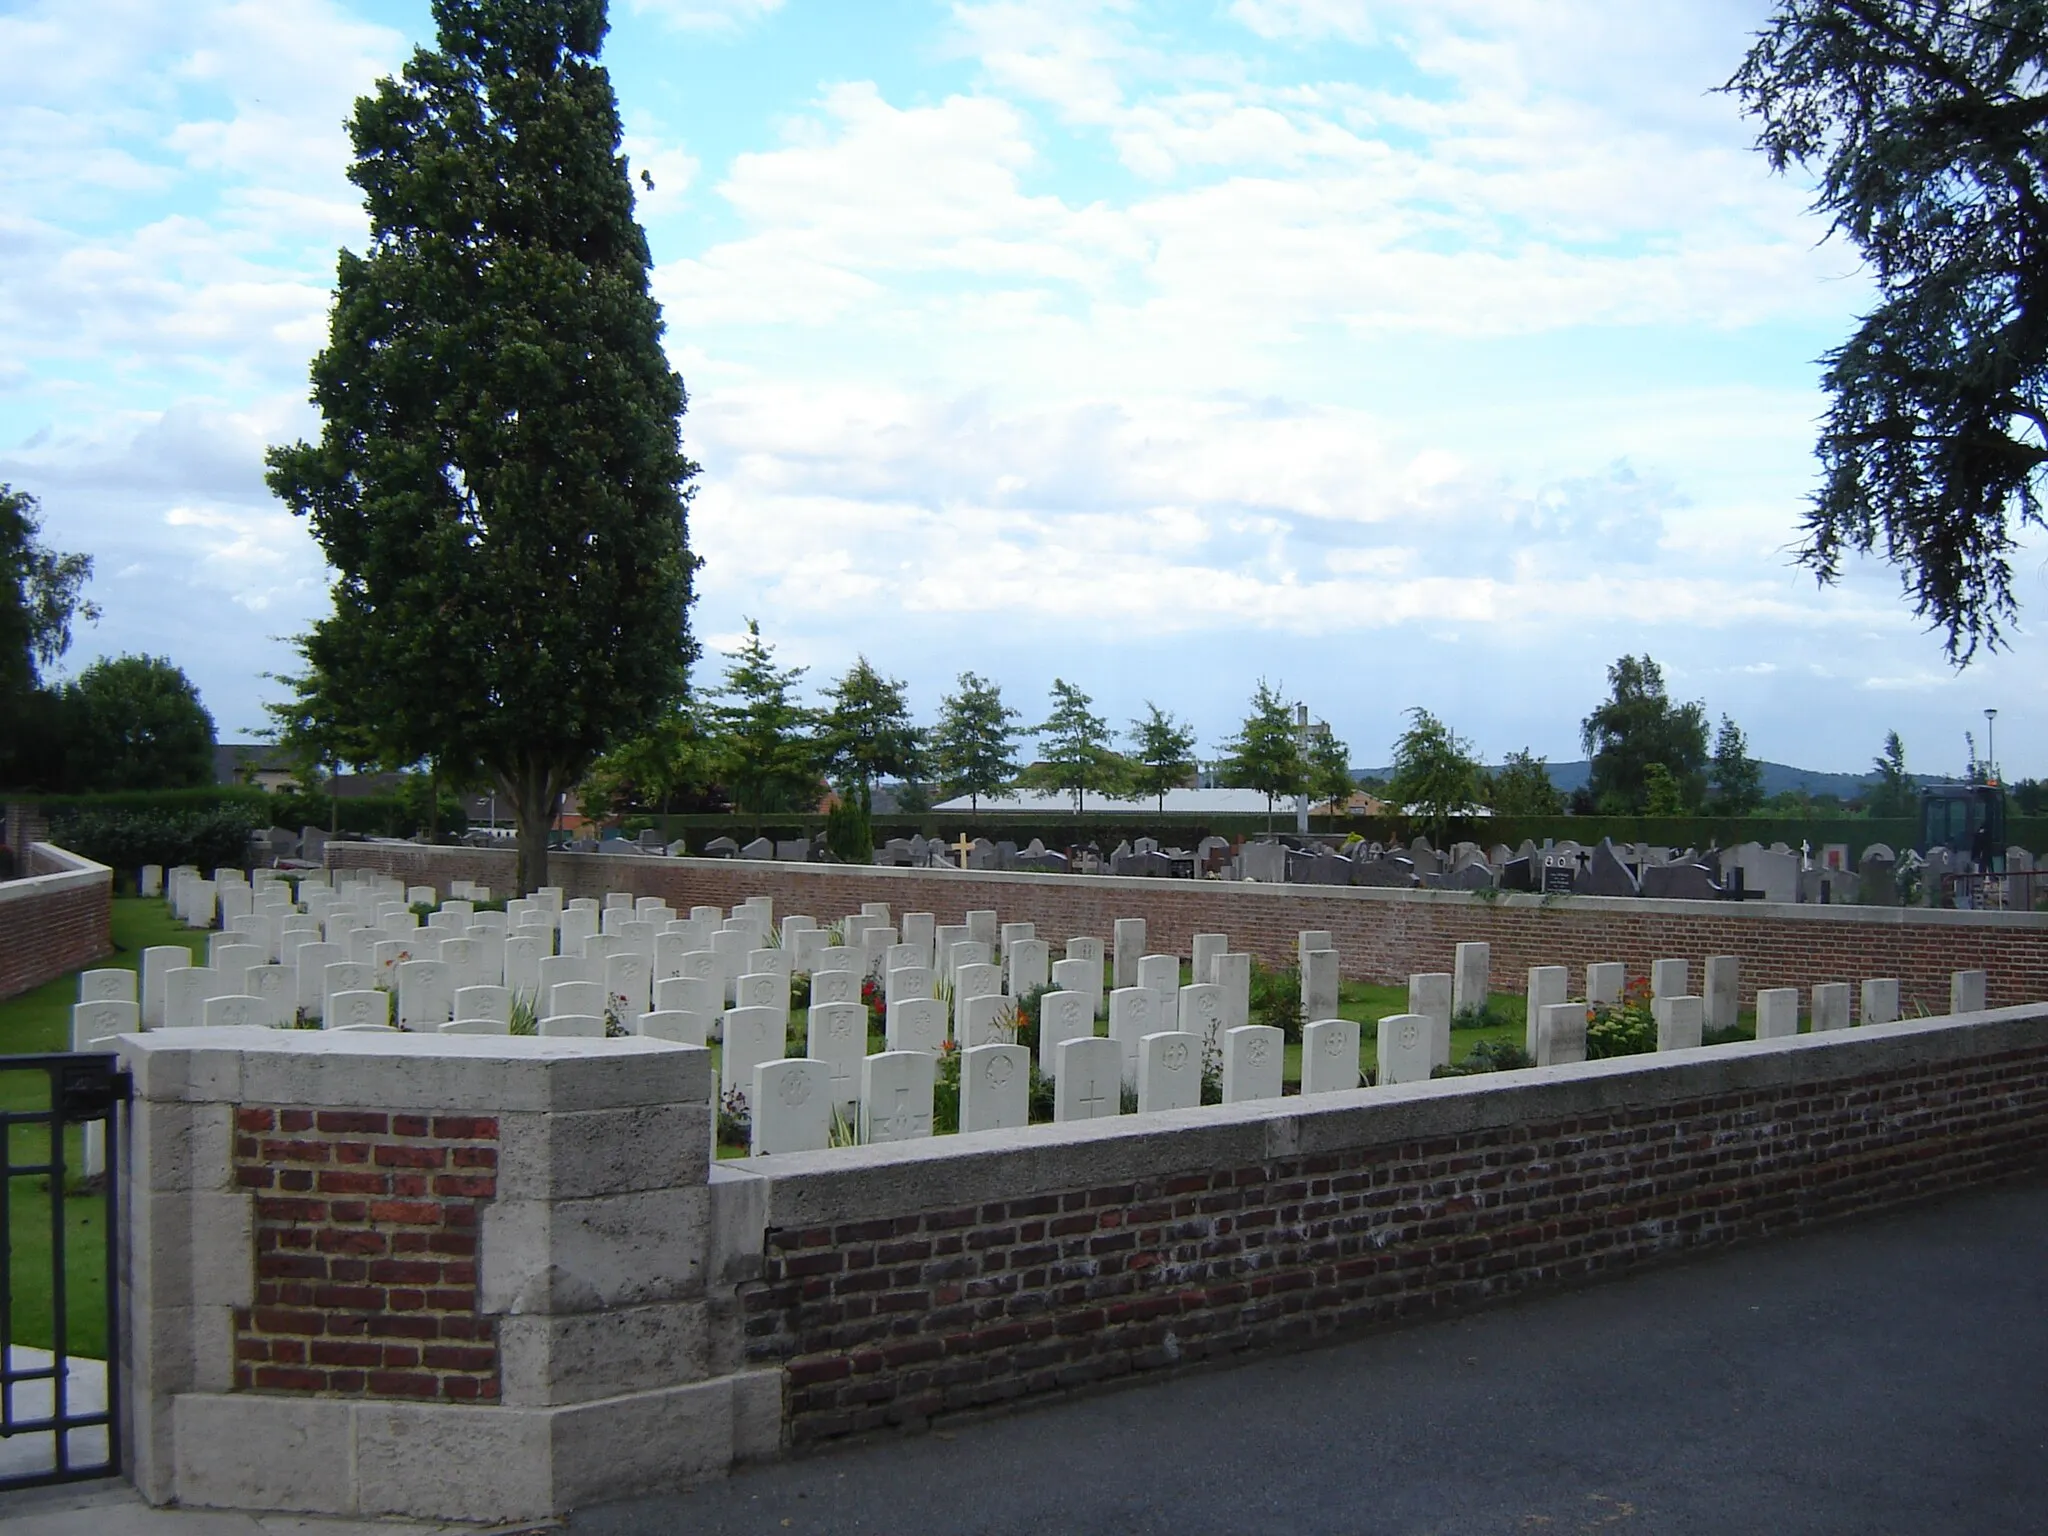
column 61, row 1121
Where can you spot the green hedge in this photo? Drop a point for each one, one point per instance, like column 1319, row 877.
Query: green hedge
column 125, row 840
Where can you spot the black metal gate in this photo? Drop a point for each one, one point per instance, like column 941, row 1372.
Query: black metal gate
column 61, row 1122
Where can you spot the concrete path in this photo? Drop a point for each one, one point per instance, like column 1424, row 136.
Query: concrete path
column 1887, row 1376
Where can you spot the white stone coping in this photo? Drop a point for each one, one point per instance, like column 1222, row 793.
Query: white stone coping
column 805, row 1189
column 77, row 874
column 1251, row 890
column 465, row 1074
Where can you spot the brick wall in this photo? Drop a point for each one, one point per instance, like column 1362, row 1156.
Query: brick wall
column 366, row 1254
column 1380, row 935
column 893, row 1319
column 55, row 921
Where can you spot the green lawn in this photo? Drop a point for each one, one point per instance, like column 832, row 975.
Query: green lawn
column 37, row 1022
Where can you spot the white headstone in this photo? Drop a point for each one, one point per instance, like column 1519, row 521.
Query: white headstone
column 1201, row 1011
column 1253, row 1056
column 1881, row 1001
column 1233, row 974
column 1968, row 991
column 237, row 1011
column 1161, row 973
column 838, row 1036
column 687, row 994
column 1473, row 976
column 113, row 985
column 835, row 987
column 896, row 1096
column 1560, row 1034
column 1319, row 983
column 792, row 1106
column 984, row 927
column 1406, row 1052
column 1547, row 984
column 1090, row 1081
column 186, row 991
column 1029, row 966
column 1606, row 980
column 916, row 1024
column 1062, row 1016
column 995, row 1087
column 102, row 1019
column 1430, row 994
column 425, row 999
column 1680, row 1021
column 344, row 976
column 906, row 982
column 1135, row 1012
column 809, row 944
column 675, row 1024
column 1724, row 991
column 1777, row 1013
column 1127, row 948
column 1169, row 1070
column 363, row 1009
column 1669, row 978
column 758, row 990
column 477, row 1026
column 484, row 1003
column 972, row 981
column 1830, row 1006
column 156, row 961
column 1329, row 1056
column 1207, row 946
column 579, row 1026
column 752, row 1036
column 575, row 997
column 278, row 988
column 986, row 1021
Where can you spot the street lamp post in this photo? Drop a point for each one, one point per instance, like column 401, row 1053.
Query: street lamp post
column 1991, row 745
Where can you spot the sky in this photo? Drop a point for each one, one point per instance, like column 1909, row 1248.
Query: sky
column 1401, row 353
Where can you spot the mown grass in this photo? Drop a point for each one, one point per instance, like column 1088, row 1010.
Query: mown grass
column 35, row 1023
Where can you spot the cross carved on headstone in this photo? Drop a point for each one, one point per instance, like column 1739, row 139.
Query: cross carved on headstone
column 1093, row 1098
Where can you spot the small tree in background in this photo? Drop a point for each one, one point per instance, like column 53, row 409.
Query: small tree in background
column 1737, row 778
column 1328, row 771
column 973, row 746
column 135, row 722
column 1162, row 755
column 1076, row 756
column 766, row 750
column 1894, row 794
column 1436, row 778
column 1522, row 786
column 1265, row 754
column 865, row 732
column 1638, row 725
column 41, row 594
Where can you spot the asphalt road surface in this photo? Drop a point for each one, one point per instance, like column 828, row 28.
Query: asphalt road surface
column 1887, row 1376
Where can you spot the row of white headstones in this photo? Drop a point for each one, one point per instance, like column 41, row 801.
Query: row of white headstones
column 627, row 965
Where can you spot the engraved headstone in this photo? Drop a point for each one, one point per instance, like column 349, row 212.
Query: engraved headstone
column 1329, row 1056
column 792, row 1106
column 1169, row 1071
column 1253, row 1055
column 995, row 1083
column 1406, row 1049
column 1089, row 1083
column 896, row 1096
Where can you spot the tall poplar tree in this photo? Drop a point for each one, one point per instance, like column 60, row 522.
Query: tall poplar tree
column 499, row 482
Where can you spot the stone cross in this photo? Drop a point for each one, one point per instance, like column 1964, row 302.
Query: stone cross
column 964, row 847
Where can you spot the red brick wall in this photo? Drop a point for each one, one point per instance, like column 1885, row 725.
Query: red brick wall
column 45, row 932
column 1381, row 936
column 366, row 1234
column 890, row 1322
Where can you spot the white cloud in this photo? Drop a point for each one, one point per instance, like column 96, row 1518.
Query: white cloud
column 713, row 16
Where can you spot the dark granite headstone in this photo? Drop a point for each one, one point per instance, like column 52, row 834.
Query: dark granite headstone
column 721, row 848
column 1605, row 875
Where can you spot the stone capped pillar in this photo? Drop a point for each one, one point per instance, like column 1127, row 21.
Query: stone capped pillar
column 435, row 1276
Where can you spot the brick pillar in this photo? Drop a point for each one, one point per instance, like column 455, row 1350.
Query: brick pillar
column 441, row 1277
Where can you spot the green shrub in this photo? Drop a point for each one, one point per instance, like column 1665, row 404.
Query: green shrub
column 1276, row 999
column 1626, row 1028
column 1489, row 1056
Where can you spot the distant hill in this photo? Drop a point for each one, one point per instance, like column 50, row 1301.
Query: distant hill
column 1778, row 778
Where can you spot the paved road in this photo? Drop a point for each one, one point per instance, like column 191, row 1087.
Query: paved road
column 1885, row 1377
